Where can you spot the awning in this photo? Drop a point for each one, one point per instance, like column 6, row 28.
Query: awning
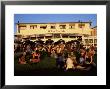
column 33, row 36
column 24, row 25
column 65, row 34
column 25, row 36
column 48, row 34
column 40, row 35
column 75, row 35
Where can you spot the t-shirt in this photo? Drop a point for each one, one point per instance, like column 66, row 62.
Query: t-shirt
column 81, row 59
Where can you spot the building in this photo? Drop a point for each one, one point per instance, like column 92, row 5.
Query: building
column 59, row 30
column 91, row 39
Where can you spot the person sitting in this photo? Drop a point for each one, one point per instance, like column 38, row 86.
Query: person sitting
column 53, row 54
column 82, row 57
column 69, row 63
column 81, row 64
column 36, row 57
column 89, row 57
column 60, row 61
column 22, row 59
column 87, row 61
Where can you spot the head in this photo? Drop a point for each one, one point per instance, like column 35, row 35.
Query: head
column 24, row 53
column 72, row 53
column 87, row 50
column 61, row 42
column 59, row 54
column 21, row 56
column 69, row 55
column 37, row 51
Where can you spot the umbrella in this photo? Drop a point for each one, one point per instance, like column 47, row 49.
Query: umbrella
column 49, row 41
column 73, row 41
column 39, row 41
column 61, row 41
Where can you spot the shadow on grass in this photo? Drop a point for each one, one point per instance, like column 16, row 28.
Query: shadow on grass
column 47, row 67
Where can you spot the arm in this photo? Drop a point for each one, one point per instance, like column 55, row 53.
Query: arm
column 85, row 56
column 91, row 60
column 19, row 60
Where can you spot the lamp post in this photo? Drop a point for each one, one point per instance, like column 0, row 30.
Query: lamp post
column 81, row 28
column 18, row 27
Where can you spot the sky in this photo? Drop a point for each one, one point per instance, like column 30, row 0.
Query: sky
column 45, row 18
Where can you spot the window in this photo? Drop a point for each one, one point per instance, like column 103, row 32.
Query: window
column 52, row 27
column 71, row 26
column 43, row 27
column 41, row 37
column 91, row 33
column 95, row 44
column 62, row 26
column 81, row 25
column 33, row 26
column 72, row 36
column 21, row 27
column 57, row 36
column 79, row 38
column 33, row 38
column 65, row 35
column 95, row 40
column 90, row 40
column 86, row 41
column 48, row 37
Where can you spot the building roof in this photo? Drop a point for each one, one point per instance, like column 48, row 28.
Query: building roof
column 94, row 27
column 53, row 23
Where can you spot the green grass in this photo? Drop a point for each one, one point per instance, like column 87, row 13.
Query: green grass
column 47, row 66
column 46, row 63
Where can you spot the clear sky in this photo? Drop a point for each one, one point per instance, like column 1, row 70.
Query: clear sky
column 45, row 18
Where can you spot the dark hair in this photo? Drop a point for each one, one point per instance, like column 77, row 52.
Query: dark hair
column 59, row 54
column 37, row 51
column 87, row 50
column 20, row 55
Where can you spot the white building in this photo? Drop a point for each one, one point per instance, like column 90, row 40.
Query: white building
column 60, row 30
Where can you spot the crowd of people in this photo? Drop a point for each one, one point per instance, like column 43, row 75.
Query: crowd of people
column 68, row 55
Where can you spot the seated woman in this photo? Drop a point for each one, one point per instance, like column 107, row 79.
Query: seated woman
column 89, row 57
column 69, row 63
column 81, row 64
column 82, row 57
column 36, row 57
column 22, row 59
column 52, row 53
column 73, row 57
column 85, row 61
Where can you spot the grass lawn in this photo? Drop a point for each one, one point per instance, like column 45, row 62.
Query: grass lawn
column 46, row 67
